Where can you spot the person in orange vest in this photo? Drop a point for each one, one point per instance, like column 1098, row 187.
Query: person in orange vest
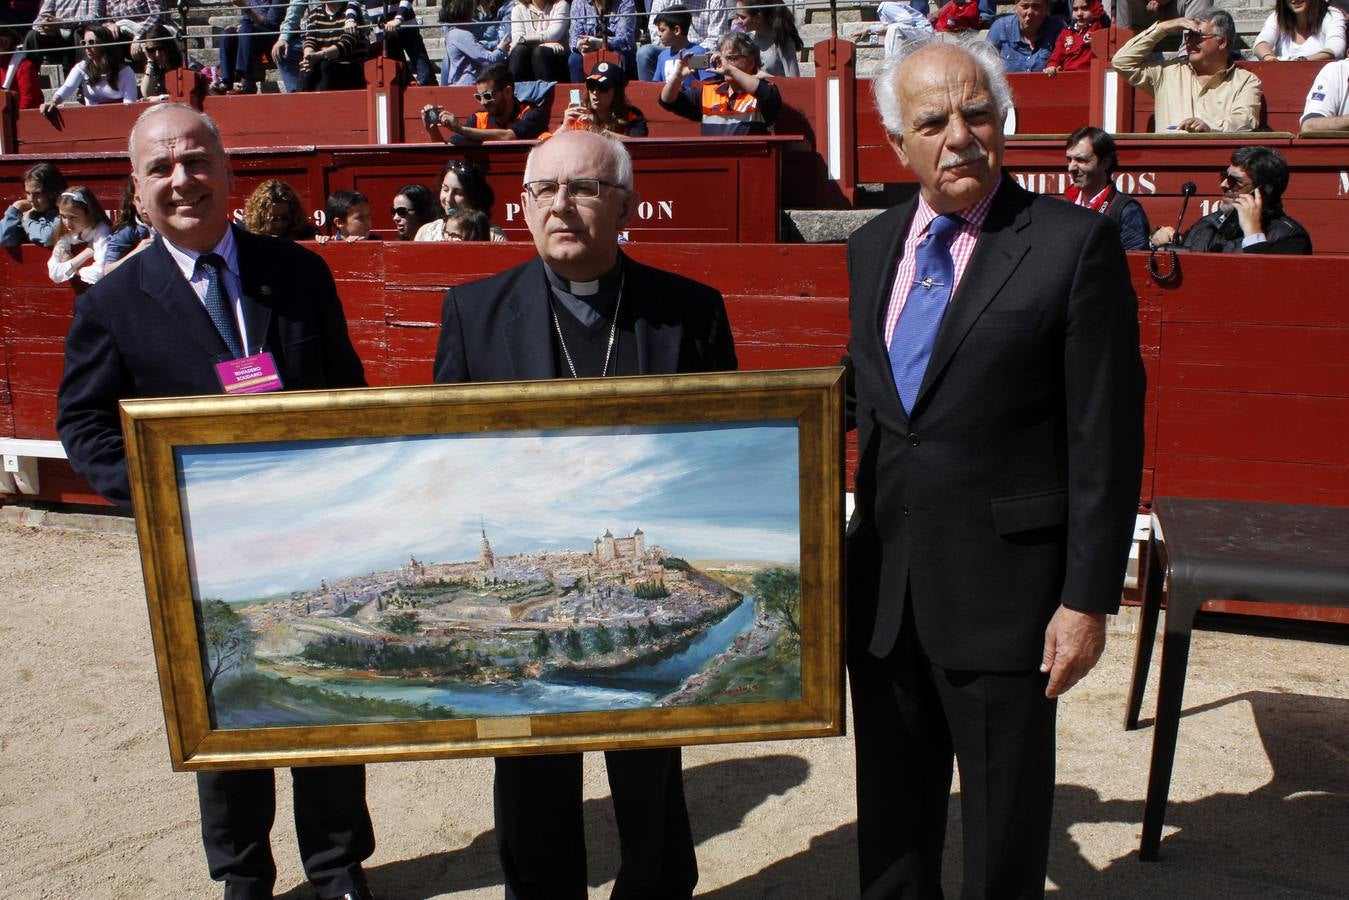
column 737, row 100
column 502, row 117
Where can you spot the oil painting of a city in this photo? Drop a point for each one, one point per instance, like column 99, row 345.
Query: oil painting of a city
column 495, row 574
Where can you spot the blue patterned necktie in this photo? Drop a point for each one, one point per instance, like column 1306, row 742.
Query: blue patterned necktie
column 217, row 305
column 916, row 330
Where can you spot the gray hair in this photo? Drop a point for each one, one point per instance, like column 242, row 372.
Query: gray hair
column 743, row 42
column 619, row 162
column 1223, row 26
column 981, row 52
column 159, row 109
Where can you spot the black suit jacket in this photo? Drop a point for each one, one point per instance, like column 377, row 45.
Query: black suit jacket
column 1013, row 486
column 500, row 328
column 142, row 332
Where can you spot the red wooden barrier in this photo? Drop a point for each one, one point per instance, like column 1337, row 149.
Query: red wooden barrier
column 722, row 190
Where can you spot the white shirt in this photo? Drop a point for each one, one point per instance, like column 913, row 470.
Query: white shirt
column 1329, row 96
column 1330, row 38
column 59, row 268
column 230, row 282
column 118, row 88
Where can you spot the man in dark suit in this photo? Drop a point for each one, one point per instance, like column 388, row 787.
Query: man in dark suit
column 998, row 400
column 584, row 310
column 178, row 319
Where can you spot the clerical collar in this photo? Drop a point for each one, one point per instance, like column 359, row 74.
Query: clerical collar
column 591, row 302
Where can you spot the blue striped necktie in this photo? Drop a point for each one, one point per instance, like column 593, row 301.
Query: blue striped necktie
column 217, row 305
column 916, row 330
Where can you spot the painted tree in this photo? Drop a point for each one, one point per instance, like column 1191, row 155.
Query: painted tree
column 229, row 639
column 572, row 646
column 603, row 640
column 542, row 647
column 779, row 590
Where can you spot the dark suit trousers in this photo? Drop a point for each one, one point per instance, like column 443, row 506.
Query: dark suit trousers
column 540, row 826
column 910, row 717
column 332, row 826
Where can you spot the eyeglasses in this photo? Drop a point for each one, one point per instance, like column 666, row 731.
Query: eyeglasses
column 1198, row 37
column 577, row 188
column 1237, row 181
column 484, row 96
column 733, row 57
column 599, row 87
column 401, row 212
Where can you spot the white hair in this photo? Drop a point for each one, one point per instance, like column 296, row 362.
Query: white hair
column 159, row 109
column 619, row 167
column 981, row 53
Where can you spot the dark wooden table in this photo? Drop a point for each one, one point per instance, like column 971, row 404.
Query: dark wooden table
column 1230, row 550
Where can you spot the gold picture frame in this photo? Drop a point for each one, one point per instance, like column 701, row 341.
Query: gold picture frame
column 317, row 649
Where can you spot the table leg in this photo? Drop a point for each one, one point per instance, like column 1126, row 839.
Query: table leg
column 1170, row 692
column 1154, row 579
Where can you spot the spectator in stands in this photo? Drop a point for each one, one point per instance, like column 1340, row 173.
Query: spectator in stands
column 241, row 46
column 539, row 40
column 288, row 49
column 774, row 31
column 1301, row 29
column 163, row 54
column 1025, row 40
column 1137, row 15
column 395, row 29
column 904, row 20
column 332, row 55
column 1250, row 216
column 1072, row 50
column 132, row 21
column 413, row 207
column 492, row 23
column 735, row 101
column 1327, row 107
column 604, row 105
column 708, row 21
column 462, row 186
column 57, row 29
column 81, row 237
column 956, row 16
column 464, row 224
column 671, row 32
column 465, row 58
column 1203, row 91
column 101, row 77
column 502, row 117
column 128, row 231
column 349, row 215
column 32, row 218
column 274, row 209
column 1092, row 159
column 24, row 80
column 609, row 25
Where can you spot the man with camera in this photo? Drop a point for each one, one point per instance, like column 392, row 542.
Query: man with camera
column 1201, row 92
column 1250, row 216
column 737, row 101
column 502, row 117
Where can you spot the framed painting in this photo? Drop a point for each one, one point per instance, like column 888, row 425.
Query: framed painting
column 493, row 569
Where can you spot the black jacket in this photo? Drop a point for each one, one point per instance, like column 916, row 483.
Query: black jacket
column 1216, row 233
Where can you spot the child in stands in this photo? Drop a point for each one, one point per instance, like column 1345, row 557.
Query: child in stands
column 349, row 214
column 1072, row 50
column 957, row 16
column 81, row 238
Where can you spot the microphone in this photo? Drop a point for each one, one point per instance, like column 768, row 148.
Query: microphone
column 1187, row 191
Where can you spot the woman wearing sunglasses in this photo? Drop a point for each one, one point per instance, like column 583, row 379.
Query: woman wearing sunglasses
column 413, row 207
column 101, row 77
column 604, row 105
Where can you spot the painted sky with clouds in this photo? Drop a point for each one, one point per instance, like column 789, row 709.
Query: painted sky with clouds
column 263, row 520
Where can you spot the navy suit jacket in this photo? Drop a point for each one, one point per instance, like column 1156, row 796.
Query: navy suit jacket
column 1013, row 486
column 500, row 328
column 142, row 332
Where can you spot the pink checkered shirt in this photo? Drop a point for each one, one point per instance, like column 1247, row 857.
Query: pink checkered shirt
column 962, row 248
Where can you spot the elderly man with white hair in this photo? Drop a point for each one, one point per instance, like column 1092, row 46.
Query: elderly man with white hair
column 995, row 367
column 583, row 309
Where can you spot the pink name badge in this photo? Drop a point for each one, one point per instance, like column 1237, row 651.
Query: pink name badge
column 254, row 374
